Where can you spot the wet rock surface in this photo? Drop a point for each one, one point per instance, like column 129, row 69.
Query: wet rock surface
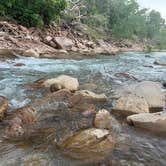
column 103, row 120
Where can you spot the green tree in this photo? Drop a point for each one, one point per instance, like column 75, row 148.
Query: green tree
column 33, row 12
column 154, row 23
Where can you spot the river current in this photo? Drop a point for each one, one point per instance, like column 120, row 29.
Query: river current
column 136, row 147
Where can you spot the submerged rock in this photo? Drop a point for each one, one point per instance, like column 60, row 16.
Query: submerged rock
column 103, row 120
column 19, row 64
column 3, row 106
column 88, row 144
column 158, row 62
column 35, row 159
column 155, row 122
column 88, row 86
column 126, row 75
column 18, row 122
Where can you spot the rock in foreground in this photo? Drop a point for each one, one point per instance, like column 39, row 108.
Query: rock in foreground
column 88, row 144
column 155, row 122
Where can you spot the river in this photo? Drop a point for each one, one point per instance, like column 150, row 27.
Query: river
column 136, row 148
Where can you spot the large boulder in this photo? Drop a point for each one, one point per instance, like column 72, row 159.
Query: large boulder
column 87, row 144
column 129, row 104
column 63, row 43
column 155, row 122
column 3, row 106
column 103, row 120
column 62, row 82
column 152, row 93
column 143, row 97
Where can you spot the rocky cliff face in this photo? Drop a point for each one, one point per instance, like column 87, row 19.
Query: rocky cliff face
column 56, row 42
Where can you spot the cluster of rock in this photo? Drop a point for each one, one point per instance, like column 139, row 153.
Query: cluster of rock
column 140, row 102
column 54, row 42
column 80, row 131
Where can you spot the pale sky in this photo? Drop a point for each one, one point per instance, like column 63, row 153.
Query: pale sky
column 159, row 5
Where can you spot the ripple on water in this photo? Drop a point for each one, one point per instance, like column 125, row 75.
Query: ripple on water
column 135, row 147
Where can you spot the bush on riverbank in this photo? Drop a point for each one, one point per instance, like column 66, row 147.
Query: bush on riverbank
column 32, row 12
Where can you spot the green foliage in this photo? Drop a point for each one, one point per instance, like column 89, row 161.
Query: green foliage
column 123, row 18
column 154, row 22
column 33, row 12
column 127, row 20
column 160, row 39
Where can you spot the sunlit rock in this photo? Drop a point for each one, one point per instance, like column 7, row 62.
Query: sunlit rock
column 18, row 122
column 88, row 86
column 62, row 82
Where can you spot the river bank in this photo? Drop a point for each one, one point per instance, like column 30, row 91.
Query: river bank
column 58, row 42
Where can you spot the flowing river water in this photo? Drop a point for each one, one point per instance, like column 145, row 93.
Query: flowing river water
column 135, row 147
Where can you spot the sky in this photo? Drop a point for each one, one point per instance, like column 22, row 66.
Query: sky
column 159, row 5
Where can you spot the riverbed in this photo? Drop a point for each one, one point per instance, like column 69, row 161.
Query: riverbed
column 134, row 147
